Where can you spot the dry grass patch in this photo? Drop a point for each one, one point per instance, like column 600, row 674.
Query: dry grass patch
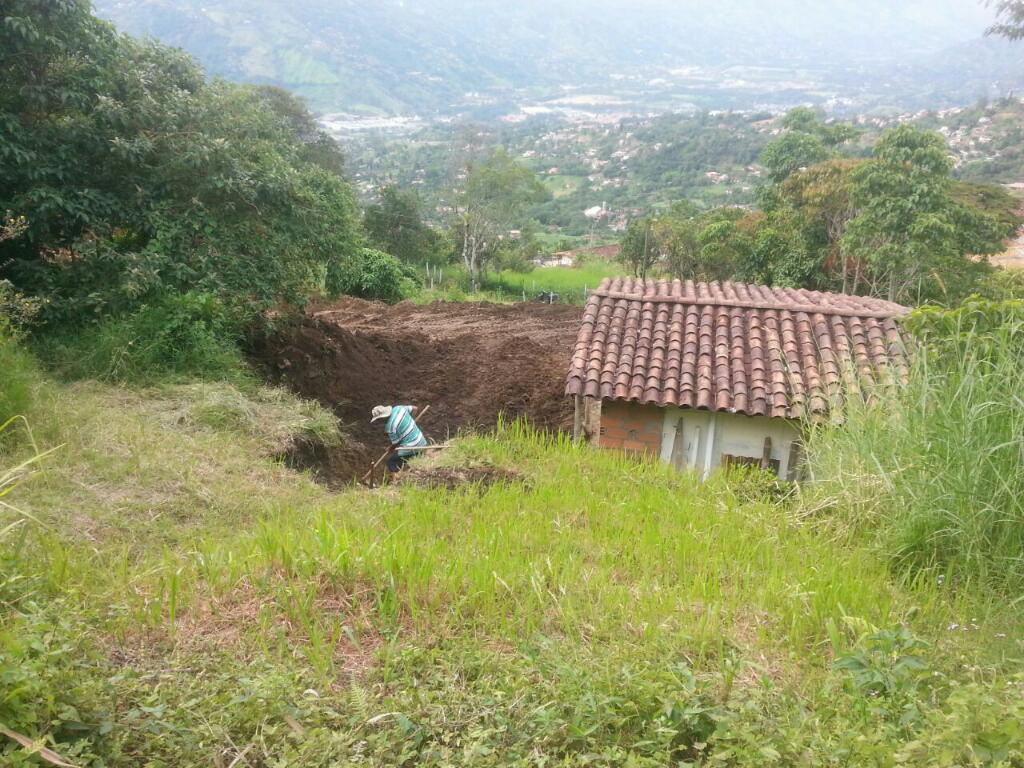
column 163, row 462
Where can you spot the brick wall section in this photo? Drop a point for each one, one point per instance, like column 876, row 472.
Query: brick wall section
column 632, row 427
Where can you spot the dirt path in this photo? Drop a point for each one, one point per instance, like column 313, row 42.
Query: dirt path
column 468, row 361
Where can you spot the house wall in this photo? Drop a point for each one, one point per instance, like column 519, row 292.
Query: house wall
column 648, row 430
column 631, row 427
column 707, row 437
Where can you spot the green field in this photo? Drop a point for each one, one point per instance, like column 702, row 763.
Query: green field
column 563, row 186
column 176, row 597
column 572, row 283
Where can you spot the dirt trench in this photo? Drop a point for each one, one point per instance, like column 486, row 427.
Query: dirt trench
column 468, row 361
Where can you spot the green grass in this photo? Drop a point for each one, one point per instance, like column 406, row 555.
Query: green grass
column 572, row 283
column 185, row 599
column 179, row 339
column 563, row 186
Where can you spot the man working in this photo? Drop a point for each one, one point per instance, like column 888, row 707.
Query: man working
column 402, row 431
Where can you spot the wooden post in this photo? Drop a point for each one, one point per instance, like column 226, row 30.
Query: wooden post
column 795, row 470
column 709, row 448
column 766, row 455
column 592, row 420
column 577, row 418
column 678, row 458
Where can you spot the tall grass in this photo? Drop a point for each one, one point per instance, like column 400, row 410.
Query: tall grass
column 18, row 376
column 937, row 469
column 187, row 337
column 590, row 546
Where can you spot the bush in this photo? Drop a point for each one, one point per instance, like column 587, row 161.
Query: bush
column 192, row 335
column 372, row 275
column 137, row 178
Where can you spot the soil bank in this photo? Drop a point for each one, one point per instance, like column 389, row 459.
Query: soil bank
column 469, row 361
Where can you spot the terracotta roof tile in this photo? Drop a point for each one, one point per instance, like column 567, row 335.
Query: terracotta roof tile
column 780, row 352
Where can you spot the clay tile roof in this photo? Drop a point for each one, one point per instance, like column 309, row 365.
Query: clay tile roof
column 779, row 352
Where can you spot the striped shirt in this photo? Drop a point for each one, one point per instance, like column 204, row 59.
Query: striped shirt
column 403, row 432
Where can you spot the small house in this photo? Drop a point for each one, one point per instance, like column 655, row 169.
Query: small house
column 705, row 375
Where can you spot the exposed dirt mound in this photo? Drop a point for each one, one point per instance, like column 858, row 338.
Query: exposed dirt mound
column 468, row 361
column 455, row 477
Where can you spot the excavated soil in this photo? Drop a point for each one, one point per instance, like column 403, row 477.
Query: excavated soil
column 469, row 362
column 450, row 478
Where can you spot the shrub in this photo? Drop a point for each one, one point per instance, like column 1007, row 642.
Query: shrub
column 371, row 274
column 192, row 335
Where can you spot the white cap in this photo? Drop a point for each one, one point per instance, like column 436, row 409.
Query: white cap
column 380, row 412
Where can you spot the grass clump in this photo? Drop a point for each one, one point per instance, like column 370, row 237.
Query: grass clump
column 20, row 373
column 936, row 470
column 19, row 379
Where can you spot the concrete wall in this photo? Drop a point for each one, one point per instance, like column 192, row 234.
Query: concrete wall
column 695, row 440
column 707, row 437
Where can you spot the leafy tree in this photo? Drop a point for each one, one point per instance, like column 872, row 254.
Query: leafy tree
column 1010, row 18
column 317, row 147
column 725, row 244
column 817, row 203
column 914, row 238
column 141, row 179
column 639, row 249
column 806, row 141
column 709, row 245
column 496, row 196
column 791, row 152
column 778, row 255
column 677, row 238
column 395, row 225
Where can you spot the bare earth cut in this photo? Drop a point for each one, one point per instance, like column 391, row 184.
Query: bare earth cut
column 469, row 361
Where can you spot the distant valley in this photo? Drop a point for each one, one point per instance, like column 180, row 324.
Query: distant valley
column 360, row 63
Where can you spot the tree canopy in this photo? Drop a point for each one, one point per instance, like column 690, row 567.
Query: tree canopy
column 140, row 178
column 895, row 224
column 913, row 236
column 495, row 197
column 395, row 225
column 1009, row 18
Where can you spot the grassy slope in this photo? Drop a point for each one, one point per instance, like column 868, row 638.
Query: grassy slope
column 194, row 601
